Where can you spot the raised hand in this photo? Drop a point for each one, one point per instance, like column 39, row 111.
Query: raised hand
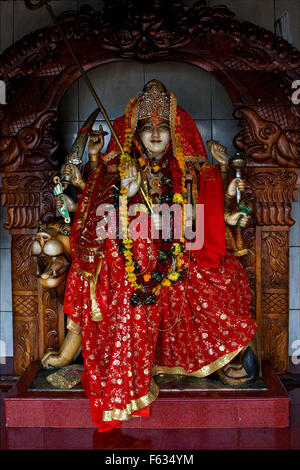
column 71, row 205
column 232, row 219
column 96, row 142
column 236, row 183
column 71, row 172
column 218, row 152
column 132, row 180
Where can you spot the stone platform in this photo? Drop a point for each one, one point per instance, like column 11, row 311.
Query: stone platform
column 183, row 403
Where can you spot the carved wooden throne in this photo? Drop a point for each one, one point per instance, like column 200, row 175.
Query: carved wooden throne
column 257, row 70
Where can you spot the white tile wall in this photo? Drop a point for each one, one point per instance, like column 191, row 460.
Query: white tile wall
column 197, row 91
column 5, row 280
column 6, row 334
column 69, row 107
column 115, row 84
column 5, row 238
column 221, row 104
column 295, row 277
column 67, row 134
column 224, row 131
column 293, row 9
column 294, row 332
column 295, row 229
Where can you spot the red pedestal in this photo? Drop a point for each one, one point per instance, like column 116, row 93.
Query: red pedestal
column 171, row 410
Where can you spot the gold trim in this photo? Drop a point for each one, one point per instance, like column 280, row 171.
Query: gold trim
column 134, row 405
column 134, row 117
column 172, row 118
column 88, row 276
column 203, row 372
column 84, row 210
column 93, row 278
column 193, row 158
column 93, row 157
column 111, row 155
column 73, row 327
column 96, row 312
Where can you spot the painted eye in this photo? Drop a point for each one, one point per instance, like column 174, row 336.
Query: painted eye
column 65, row 232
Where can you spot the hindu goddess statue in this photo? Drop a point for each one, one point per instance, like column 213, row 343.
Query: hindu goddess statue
column 148, row 305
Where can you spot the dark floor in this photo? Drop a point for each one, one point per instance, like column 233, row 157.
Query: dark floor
column 188, row 439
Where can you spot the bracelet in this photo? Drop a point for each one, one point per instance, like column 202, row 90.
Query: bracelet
column 80, row 184
column 226, row 215
column 223, row 168
column 93, row 157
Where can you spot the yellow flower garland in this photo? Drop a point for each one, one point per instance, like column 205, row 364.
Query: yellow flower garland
column 177, row 198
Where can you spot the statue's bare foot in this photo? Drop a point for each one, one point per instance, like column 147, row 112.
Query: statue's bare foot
column 245, row 372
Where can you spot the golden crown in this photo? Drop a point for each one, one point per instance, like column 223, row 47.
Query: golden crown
column 154, row 103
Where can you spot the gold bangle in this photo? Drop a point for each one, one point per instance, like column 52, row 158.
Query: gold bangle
column 223, row 168
column 93, row 157
column 226, row 215
column 80, row 184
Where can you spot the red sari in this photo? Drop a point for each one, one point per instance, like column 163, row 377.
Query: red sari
column 195, row 326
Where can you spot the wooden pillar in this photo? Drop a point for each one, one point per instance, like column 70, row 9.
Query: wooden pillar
column 37, row 315
column 273, row 190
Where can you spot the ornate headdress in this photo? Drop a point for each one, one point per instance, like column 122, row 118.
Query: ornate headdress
column 154, row 103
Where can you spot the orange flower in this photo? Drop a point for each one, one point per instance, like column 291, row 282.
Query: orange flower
column 147, row 277
column 129, row 269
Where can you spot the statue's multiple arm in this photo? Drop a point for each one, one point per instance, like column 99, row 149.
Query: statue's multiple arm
column 132, row 181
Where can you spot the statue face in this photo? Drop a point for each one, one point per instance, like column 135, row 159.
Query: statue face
column 155, row 136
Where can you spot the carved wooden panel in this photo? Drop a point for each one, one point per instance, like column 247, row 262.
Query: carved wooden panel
column 271, row 191
column 29, row 197
column 257, row 69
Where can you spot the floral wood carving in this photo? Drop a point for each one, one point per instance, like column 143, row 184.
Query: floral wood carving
column 271, row 192
column 33, row 145
column 29, row 197
column 51, row 319
column 277, row 249
column 264, row 142
column 275, row 340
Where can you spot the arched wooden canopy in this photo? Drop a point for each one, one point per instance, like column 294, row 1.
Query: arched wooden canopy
column 256, row 68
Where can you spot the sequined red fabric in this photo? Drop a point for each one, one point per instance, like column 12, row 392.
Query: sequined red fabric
column 212, row 306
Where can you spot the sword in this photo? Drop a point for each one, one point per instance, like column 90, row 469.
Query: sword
column 58, row 191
